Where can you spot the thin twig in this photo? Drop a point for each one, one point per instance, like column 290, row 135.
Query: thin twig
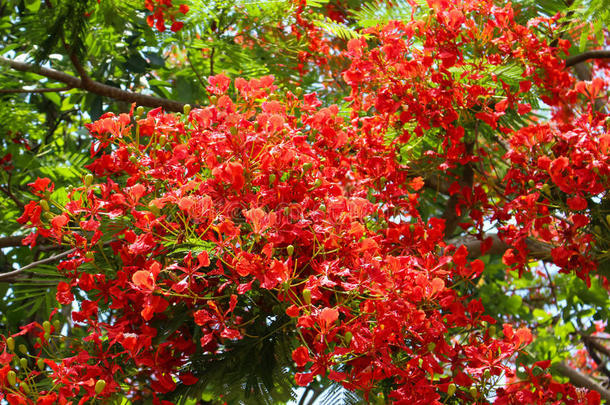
column 42, row 90
column 36, row 263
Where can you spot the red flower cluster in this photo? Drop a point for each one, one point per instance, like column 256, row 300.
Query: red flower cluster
column 163, row 10
column 273, row 195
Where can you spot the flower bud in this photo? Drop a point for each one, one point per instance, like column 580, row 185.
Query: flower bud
column 290, row 250
column 186, row 109
column 139, row 110
column 272, row 178
column 10, row 343
column 23, row 362
column 451, row 389
column 307, row 296
column 40, row 364
column 46, row 325
column 23, row 348
column 88, row 180
column 44, row 205
column 99, row 386
column 11, row 377
column 348, row 337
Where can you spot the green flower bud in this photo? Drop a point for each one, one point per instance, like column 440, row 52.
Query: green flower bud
column 44, row 205
column 88, row 180
column 40, row 364
column 23, row 362
column 10, row 343
column 139, row 110
column 290, row 250
column 474, row 392
column 99, row 386
column 11, row 377
column 272, row 178
column 56, row 325
column 186, row 109
column 348, row 337
column 307, row 296
column 317, row 183
column 23, row 349
column 307, row 166
column 451, row 389
column 46, row 325
column 487, row 374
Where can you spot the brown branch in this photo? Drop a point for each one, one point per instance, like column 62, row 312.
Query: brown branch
column 580, row 380
column 43, row 90
column 11, row 241
column 49, row 259
column 95, row 87
column 596, row 54
column 537, row 249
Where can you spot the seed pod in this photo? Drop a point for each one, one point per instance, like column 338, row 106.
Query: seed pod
column 40, row 364
column 88, row 180
column 10, row 343
column 451, row 389
column 186, row 109
column 307, row 296
column 99, row 386
column 11, row 377
column 290, row 250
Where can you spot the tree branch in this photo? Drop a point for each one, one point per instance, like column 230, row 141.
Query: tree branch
column 34, row 264
column 580, row 380
column 537, row 249
column 95, row 87
column 43, row 90
column 596, row 54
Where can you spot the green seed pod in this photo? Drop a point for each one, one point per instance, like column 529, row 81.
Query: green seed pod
column 307, row 296
column 23, row 362
column 44, row 205
column 186, row 109
column 290, row 250
column 348, row 337
column 10, row 343
column 23, row 349
column 40, row 364
column 99, row 386
column 139, row 110
column 88, row 180
column 11, row 377
column 46, row 325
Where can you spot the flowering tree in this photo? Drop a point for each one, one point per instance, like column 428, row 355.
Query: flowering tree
column 437, row 235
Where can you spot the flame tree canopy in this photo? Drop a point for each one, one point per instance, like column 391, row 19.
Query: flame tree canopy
column 388, row 201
